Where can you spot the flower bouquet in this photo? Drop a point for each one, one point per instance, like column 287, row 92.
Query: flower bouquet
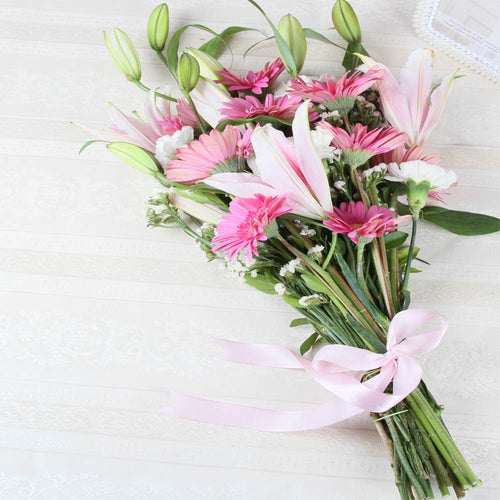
column 304, row 187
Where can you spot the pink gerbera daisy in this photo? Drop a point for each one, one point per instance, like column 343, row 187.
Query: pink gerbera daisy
column 216, row 152
column 355, row 220
column 254, row 82
column 403, row 154
column 244, row 226
column 361, row 145
column 185, row 116
column 336, row 96
column 250, row 107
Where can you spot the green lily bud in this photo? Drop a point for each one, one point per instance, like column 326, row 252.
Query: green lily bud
column 417, row 193
column 158, row 27
column 124, row 55
column 293, row 33
column 188, row 72
column 209, row 66
column 136, row 157
column 346, row 22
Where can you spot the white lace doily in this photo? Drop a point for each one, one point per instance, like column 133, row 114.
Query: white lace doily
column 466, row 30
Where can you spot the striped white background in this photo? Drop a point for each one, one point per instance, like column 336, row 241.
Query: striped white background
column 100, row 317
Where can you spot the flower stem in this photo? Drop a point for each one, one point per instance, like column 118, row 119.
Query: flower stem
column 360, row 250
column 157, row 94
column 407, row 272
column 198, row 117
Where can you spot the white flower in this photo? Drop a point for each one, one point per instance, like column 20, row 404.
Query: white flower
column 306, row 231
column 340, row 185
column 322, row 139
column 329, row 114
column 420, row 171
column 166, row 145
column 280, row 288
column 381, row 168
column 312, row 300
column 315, row 249
column 290, row 267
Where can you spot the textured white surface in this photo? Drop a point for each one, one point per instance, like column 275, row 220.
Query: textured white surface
column 100, row 317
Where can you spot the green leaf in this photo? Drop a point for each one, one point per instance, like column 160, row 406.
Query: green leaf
column 293, row 301
column 356, row 287
column 173, row 45
column 463, row 223
column 215, row 45
column 262, row 120
column 310, row 33
column 283, row 48
column 299, row 322
column 395, row 239
column 87, row 144
column 351, row 60
column 308, row 343
column 315, row 284
column 262, row 284
column 255, row 45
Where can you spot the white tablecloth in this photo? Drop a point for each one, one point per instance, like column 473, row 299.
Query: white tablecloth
column 100, row 317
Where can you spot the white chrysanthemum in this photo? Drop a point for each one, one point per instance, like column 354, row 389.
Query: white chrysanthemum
column 280, row 288
column 420, row 171
column 167, row 145
column 322, row 138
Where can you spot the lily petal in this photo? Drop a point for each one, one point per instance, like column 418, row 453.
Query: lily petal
column 394, row 101
column 310, row 163
column 437, row 100
column 415, row 82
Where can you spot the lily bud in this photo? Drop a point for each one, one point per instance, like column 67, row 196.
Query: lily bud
column 124, row 55
column 202, row 211
column 209, row 66
column 345, row 21
column 158, row 27
column 136, row 157
column 293, row 33
column 417, row 193
column 188, row 72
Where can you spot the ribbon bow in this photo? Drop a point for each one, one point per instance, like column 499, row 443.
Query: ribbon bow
column 338, row 368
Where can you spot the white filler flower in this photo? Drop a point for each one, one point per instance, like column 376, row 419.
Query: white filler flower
column 167, row 145
column 421, row 171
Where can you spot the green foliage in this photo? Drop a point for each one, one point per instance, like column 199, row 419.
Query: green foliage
column 463, row 223
column 215, row 45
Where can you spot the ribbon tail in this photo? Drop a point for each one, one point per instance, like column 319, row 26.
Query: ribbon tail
column 260, row 419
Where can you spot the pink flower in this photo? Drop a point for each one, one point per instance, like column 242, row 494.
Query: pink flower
column 250, row 107
column 355, row 220
column 402, row 154
column 283, row 166
column 362, row 144
column 159, row 121
column 211, row 153
column 185, row 116
column 244, row 226
column 338, row 95
column 254, row 82
column 413, row 105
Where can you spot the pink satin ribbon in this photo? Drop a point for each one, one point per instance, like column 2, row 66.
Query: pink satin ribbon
column 338, row 368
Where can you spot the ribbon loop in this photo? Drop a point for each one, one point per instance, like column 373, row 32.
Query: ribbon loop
column 331, row 367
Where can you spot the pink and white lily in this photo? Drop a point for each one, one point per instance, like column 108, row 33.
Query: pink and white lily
column 413, row 105
column 284, row 167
